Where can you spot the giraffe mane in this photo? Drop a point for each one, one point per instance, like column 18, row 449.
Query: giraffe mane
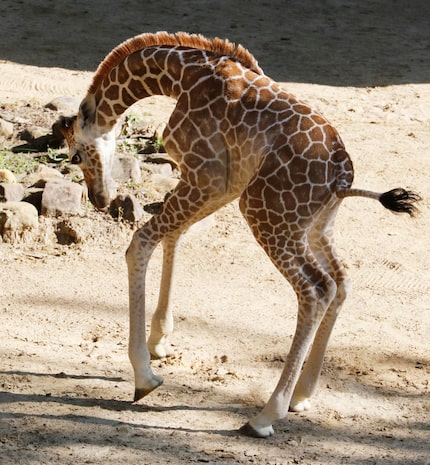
column 181, row 39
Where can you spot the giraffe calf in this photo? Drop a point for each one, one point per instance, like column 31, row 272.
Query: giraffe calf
column 234, row 133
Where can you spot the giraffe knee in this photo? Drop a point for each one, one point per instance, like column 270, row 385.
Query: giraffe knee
column 140, row 248
column 343, row 288
column 324, row 291
column 132, row 249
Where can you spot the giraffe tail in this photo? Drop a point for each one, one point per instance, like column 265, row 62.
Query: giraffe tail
column 397, row 200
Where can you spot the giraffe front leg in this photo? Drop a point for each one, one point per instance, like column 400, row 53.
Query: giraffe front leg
column 162, row 320
column 137, row 256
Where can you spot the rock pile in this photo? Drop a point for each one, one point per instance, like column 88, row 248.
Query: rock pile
column 58, row 192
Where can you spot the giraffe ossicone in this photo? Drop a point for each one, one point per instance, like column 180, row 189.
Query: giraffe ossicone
column 234, row 133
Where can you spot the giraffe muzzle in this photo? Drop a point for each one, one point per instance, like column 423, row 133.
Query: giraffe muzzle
column 99, row 200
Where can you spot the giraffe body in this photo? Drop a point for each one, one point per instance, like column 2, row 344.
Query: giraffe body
column 234, row 133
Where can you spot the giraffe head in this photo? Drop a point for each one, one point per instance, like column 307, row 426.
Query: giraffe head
column 92, row 148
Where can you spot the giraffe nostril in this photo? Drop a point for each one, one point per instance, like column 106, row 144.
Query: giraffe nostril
column 99, row 200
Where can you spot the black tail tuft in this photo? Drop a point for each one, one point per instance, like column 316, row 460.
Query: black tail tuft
column 400, row 201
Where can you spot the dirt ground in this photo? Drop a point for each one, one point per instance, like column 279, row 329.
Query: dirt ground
column 65, row 381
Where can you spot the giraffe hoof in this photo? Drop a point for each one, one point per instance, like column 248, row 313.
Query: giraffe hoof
column 248, row 430
column 160, row 350
column 139, row 393
column 300, row 406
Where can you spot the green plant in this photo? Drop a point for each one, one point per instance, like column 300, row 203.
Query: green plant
column 127, row 145
column 158, row 144
column 153, row 144
column 18, row 163
column 56, row 156
column 130, row 121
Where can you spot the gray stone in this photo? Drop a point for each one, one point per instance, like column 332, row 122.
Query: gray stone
column 17, row 219
column 41, row 176
column 163, row 184
column 64, row 104
column 126, row 168
column 44, row 171
column 163, row 169
column 61, row 197
column 126, row 207
column 11, row 192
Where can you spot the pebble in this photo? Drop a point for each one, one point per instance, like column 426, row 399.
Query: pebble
column 6, row 128
column 7, row 176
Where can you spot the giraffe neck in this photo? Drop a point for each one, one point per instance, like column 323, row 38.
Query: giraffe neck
column 158, row 70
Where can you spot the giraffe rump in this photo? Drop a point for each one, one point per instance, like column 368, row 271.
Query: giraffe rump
column 179, row 39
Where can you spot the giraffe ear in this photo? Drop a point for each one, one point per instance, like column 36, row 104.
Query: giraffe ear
column 87, row 110
column 63, row 126
column 66, row 122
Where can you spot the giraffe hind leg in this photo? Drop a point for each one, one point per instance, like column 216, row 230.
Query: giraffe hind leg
column 322, row 244
column 284, row 237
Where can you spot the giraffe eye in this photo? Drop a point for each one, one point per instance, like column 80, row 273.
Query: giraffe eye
column 76, row 159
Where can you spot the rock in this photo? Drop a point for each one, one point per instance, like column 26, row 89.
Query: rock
column 64, row 104
column 72, row 171
column 126, row 207
column 126, row 168
column 154, row 208
column 158, row 158
column 7, row 176
column 47, row 172
column 17, row 220
column 6, row 128
column 163, row 184
column 61, row 197
column 163, row 169
column 11, row 192
column 41, row 176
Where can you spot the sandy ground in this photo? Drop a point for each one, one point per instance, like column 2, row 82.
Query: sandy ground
column 65, row 380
